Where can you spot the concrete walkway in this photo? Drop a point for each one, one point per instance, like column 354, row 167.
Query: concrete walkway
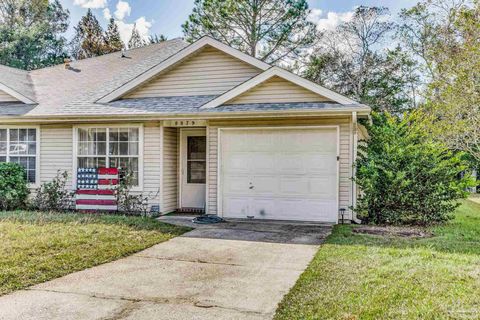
column 201, row 275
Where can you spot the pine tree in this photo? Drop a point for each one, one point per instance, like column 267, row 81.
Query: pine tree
column 112, row 37
column 157, row 38
column 89, row 40
column 32, row 33
column 136, row 40
column 272, row 30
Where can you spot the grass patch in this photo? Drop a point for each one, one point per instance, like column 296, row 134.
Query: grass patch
column 357, row 276
column 36, row 247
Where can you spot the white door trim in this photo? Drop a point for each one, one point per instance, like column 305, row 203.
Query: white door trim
column 183, row 133
column 219, row 156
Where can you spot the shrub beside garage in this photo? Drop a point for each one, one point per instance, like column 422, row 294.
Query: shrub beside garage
column 406, row 177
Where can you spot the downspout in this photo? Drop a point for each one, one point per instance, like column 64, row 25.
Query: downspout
column 354, row 170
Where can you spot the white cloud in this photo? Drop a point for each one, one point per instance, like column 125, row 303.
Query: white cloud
column 106, row 14
column 123, row 10
column 91, row 4
column 315, row 15
column 125, row 29
column 331, row 21
column 143, row 27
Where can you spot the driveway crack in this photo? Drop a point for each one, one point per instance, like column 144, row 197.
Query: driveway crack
column 192, row 261
column 218, row 263
column 134, row 304
column 125, row 311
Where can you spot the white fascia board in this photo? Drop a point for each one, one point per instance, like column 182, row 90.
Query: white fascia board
column 178, row 57
column 276, row 71
column 16, row 94
column 362, row 111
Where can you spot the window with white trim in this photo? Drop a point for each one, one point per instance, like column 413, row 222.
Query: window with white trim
column 19, row 145
column 110, row 148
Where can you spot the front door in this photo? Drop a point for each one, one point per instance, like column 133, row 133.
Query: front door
column 193, row 167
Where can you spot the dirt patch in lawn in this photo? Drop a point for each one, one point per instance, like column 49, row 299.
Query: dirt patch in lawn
column 405, row 232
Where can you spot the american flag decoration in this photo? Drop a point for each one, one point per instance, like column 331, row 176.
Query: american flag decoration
column 96, row 189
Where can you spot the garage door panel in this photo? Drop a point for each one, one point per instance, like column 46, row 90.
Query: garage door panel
column 237, row 144
column 261, row 162
column 322, row 187
column 263, row 185
column 290, row 209
column 293, row 209
column 293, row 173
column 320, row 163
column 306, row 140
column 291, row 163
column 298, row 209
column 237, row 184
column 293, row 186
column 263, row 208
column 237, row 207
column 237, row 162
column 259, row 141
column 296, row 140
column 323, row 209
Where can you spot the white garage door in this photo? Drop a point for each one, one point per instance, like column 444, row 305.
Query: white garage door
column 281, row 173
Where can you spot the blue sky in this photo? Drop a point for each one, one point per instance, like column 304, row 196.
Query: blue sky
column 166, row 16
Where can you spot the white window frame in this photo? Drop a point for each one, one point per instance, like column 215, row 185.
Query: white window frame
column 138, row 188
column 37, row 151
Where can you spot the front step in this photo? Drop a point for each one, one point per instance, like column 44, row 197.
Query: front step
column 190, row 211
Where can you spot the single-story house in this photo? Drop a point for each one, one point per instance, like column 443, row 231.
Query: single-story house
column 203, row 126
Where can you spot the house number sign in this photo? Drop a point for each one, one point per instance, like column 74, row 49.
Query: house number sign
column 185, row 123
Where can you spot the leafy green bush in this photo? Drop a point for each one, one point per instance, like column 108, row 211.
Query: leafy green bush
column 54, row 195
column 13, row 187
column 405, row 176
column 128, row 202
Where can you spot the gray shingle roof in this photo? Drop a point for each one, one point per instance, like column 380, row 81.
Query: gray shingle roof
column 190, row 105
column 88, row 80
column 185, row 104
column 17, row 80
column 73, row 92
column 304, row 106
column 56, row 88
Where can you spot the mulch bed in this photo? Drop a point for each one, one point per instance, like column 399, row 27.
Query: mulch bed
column 405, row 232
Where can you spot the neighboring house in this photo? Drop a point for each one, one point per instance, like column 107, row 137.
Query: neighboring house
column 202, row 126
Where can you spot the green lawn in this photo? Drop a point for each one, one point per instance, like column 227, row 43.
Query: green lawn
column 373, row 277
column 36, row 247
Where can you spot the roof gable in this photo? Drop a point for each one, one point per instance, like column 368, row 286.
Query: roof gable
column 5, row 97
column 179, row 58
column 207, row 72
column 277, row 72
column 9, row 95
column 16, row 83
column 277, row 90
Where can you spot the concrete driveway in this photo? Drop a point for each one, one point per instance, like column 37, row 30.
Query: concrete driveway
column 236, row 270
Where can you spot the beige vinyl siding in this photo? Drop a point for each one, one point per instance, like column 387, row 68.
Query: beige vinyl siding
column 151, row 162
column 5, row 97
column 210, row 72
column 277, row 90
column 56, row 152
column 345, row 165
column 170, row 170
